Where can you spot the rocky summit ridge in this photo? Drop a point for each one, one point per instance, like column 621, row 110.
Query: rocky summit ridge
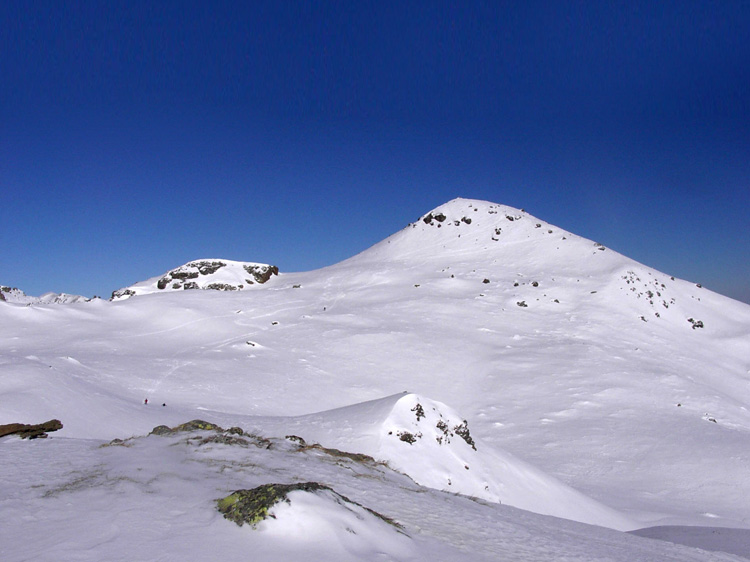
column 209, row 274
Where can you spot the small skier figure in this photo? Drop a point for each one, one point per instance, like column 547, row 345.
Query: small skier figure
column 145, row 402
column 164, row 404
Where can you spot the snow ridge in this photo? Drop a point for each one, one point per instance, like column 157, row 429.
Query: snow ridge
column 14, row 295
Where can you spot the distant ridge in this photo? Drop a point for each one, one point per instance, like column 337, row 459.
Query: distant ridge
column 14, row 295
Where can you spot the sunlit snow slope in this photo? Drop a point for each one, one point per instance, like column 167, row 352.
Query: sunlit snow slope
column 617, row 380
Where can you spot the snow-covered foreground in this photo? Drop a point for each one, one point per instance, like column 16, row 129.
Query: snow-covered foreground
column 548, row 373
column 154, row 498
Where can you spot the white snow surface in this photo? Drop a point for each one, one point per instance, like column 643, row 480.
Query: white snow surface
column 593, row 389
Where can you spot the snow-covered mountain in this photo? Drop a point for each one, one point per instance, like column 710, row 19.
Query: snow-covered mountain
column 551, row 373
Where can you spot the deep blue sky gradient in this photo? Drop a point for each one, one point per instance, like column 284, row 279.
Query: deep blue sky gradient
column 136, row 136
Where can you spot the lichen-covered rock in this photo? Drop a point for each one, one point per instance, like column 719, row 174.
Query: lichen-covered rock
column 193, row 425
column 198, row 425
column 162, row 430
column 224, row 439
column 356, row 457
column 254, row 506
column 234, row 436
column 251, row 506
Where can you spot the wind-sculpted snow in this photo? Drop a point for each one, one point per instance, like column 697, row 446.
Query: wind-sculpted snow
column 155, row 498
column 433, row 445
column 614, row 380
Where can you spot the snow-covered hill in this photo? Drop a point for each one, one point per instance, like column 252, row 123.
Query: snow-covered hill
column 596, row 388
column 433, row 445
column 211, row 274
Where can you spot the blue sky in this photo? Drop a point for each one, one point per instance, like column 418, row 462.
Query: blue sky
column 136, row 136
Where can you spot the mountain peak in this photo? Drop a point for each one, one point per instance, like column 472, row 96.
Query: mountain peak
column 470, row 226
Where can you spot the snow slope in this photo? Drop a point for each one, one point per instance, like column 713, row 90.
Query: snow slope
column 570, row 362
column 433, row 445
column 154, row 498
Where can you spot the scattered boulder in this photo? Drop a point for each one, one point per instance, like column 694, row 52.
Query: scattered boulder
column 407, row 437
column 221, row 287
column 439, row 217
column 261, row 273
column 419, row 410
column 34, row 431
column 462, row 430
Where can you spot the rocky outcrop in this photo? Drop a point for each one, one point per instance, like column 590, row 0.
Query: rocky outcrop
column 177, row 277
column 193, row 425
column 216, row 275
column 26, row 431
column 261, row 273
column 253, row 506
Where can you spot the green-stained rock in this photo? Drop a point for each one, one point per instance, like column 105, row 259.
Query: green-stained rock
column 198, row 425
column 251, row 506
column 162, row 430
column 194, row 425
